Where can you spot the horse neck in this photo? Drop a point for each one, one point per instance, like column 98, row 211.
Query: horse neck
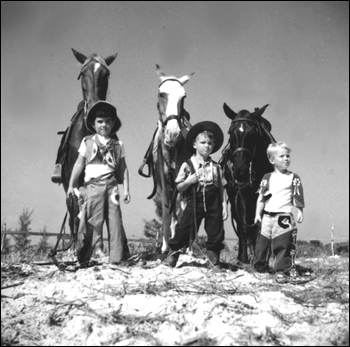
column 79, row 130
column 175, row 155
column 261, row 164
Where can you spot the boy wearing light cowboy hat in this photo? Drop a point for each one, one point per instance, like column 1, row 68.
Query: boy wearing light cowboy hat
column 201, row 180
column 102, row 156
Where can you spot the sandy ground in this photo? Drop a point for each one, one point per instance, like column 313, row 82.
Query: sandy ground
column 149, row 304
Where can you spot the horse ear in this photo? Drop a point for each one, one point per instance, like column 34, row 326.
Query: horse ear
column 259, row 111
column 80, row 57
column 229, row 113
column 109, row 60
column 160, row 73
column 186, row 78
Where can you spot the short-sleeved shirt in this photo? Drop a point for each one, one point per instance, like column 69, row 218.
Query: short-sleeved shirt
column 282, row 191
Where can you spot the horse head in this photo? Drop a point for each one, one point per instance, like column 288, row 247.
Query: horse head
column 171, row 95
column 246, row 136
column 94, row 76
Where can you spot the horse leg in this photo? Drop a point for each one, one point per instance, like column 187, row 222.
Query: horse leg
column 166, row 219
column 177, row 212
column 243, row 244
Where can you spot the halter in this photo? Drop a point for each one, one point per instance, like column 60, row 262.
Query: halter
column 242, row 149
column 177, row 117
column 95, row 58
column 241, row 185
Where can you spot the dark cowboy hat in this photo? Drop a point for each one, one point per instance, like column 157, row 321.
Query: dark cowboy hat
column 205, row 126
column 102, row 109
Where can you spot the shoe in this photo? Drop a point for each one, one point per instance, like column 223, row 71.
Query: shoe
column 263, row 269
column 279, row 274
column 171, row 259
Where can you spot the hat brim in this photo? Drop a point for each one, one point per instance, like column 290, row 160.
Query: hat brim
column 108, row 110
column 205, row 126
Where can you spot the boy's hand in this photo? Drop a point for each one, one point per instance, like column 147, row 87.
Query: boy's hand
column 257, row 219
column 127, row 198
column 192, row 179
column 70, row 191
column 300, row 216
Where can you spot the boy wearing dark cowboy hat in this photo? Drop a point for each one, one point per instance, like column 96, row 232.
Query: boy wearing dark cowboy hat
column 202, row 181
column 102, row 156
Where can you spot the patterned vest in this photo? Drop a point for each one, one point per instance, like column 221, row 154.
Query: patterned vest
column 109, row 155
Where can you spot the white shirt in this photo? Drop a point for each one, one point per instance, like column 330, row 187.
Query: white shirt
column 281, row 193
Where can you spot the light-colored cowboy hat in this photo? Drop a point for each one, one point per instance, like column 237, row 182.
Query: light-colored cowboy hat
column 205, row 126
column 102, row 109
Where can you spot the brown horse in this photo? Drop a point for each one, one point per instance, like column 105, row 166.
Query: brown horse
column 94, row 75
column 244, row 163
column 167, row 150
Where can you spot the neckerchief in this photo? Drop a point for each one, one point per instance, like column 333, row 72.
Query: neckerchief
column 105, row 153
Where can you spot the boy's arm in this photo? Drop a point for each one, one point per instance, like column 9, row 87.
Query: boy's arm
column 127, row 196
column 77, row 169
column 191, row 179
column 183, row 181
column 259, row 209
column 300, row 214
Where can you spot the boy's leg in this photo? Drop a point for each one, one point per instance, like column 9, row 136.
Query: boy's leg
column 282, row 242
column 263, row 245
column 214, row 225
column 118, row 247
column 84, row 238
column 181, row 238
column 183, row 229
column 90, row 226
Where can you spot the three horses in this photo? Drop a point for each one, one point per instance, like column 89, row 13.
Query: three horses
column 244, row 162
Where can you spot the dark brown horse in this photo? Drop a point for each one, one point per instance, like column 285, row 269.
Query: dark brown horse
column 167, row 150
column 94, row 75
column 244, row 163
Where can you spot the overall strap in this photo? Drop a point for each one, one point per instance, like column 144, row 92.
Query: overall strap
column 193, row 232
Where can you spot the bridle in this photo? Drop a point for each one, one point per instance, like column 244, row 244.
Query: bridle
column 250, row 181
column 84, row 67
column 96, row 59
column 240, row 185
column 171, row 117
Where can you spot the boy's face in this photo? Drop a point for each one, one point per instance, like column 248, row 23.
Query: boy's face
column 281, row 159
column 204, row 145
column 104, row 125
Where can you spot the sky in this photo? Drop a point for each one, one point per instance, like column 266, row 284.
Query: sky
column 291, row 55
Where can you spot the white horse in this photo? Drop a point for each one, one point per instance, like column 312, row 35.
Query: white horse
column 168, row 150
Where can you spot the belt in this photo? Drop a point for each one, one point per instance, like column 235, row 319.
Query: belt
column 99, row 178
column 274, row 214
